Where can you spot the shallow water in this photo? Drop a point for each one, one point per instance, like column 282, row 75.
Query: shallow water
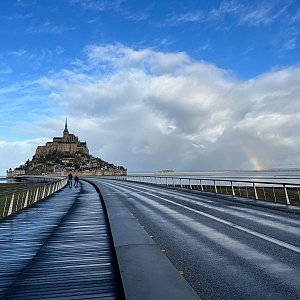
column 284, row 176
column 3, row 180
column 6, row 180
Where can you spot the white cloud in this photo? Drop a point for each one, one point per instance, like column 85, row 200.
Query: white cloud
column 204, row 47
column 188, row 17
column 120, row 57
column 262, row 15
column 59, row 50
column 149, row 110
column 242, row 14
column 49, row 27
column 296, row 17
column 15, row 17
column 16, row 153
column 17, row 53
column 25, row 3
column 248, row 14
column 98, row 5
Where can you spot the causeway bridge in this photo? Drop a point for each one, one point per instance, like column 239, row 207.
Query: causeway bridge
column 117, row 239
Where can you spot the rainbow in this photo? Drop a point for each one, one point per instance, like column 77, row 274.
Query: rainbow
column 254, row 161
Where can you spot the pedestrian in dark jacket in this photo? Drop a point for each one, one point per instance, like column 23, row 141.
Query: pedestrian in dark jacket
column 76, row 180
column 70, row 176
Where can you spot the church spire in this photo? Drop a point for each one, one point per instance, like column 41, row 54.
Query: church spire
column 66, row 127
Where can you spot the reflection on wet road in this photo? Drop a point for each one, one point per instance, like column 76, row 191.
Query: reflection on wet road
column 227, row 250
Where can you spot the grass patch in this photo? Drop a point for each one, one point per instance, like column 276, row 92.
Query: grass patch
column 15, row 196
column 272, row 194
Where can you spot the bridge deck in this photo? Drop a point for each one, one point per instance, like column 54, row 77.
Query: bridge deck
column 59, row 248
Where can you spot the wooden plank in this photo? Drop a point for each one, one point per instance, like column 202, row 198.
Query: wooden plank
column 60, row 248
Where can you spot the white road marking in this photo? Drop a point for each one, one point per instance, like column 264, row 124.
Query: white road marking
column 261, row 219
column 241, row 228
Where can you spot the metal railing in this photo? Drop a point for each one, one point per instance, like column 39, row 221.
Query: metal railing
column 279, row 192
column 13, row 201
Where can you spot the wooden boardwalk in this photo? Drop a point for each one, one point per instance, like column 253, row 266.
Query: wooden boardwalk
column 59, row 248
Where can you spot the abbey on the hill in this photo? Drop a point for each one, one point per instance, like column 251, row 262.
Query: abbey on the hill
column 67, row 144
column 63, row 155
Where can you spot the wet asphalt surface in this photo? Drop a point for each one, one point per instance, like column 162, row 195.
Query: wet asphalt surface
column 226, row 249
column 59, row 248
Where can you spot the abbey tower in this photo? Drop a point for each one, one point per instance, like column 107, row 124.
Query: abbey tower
column 67, row 144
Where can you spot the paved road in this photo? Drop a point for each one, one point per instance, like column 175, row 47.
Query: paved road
column 227, row 250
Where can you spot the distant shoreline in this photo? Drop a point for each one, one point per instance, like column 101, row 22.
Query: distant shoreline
column 215, row 171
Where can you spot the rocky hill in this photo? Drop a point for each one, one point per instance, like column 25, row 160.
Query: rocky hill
column 55, row 162
column 66, row 154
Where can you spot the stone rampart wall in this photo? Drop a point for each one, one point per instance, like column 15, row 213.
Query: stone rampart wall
column 11, row 174
column 95, row 173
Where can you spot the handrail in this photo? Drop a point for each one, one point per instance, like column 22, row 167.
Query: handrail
column 210, row 179
column 280, row 192
column 16, row 200
column 22, row 188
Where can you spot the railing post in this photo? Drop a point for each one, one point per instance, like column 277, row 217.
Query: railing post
column 264, row 193
column 29, row 197
column 53, row 188
column 190, row 183
column 49, row 190
column 255, row 191
column 216, row 191
column 17, row 204
column 44, row 192
column 180, row 183
column 26, row 199
column 274, row 194
column 232, row 188
column 11, row 204
column 56, row 186
column 36, row 195
column 22, row 198
column 286, row 195
column 4, row 207
column 201, row 185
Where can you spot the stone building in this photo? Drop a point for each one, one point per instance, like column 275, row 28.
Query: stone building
column 63, row 155
column 67, row 144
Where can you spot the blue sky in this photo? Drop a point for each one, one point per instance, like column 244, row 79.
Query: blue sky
column 124, row 71
column 247, row 37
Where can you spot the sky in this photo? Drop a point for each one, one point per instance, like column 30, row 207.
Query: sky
column 189, row 85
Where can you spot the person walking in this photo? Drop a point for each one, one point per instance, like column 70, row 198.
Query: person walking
column 76, row 181
column 70, row 176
